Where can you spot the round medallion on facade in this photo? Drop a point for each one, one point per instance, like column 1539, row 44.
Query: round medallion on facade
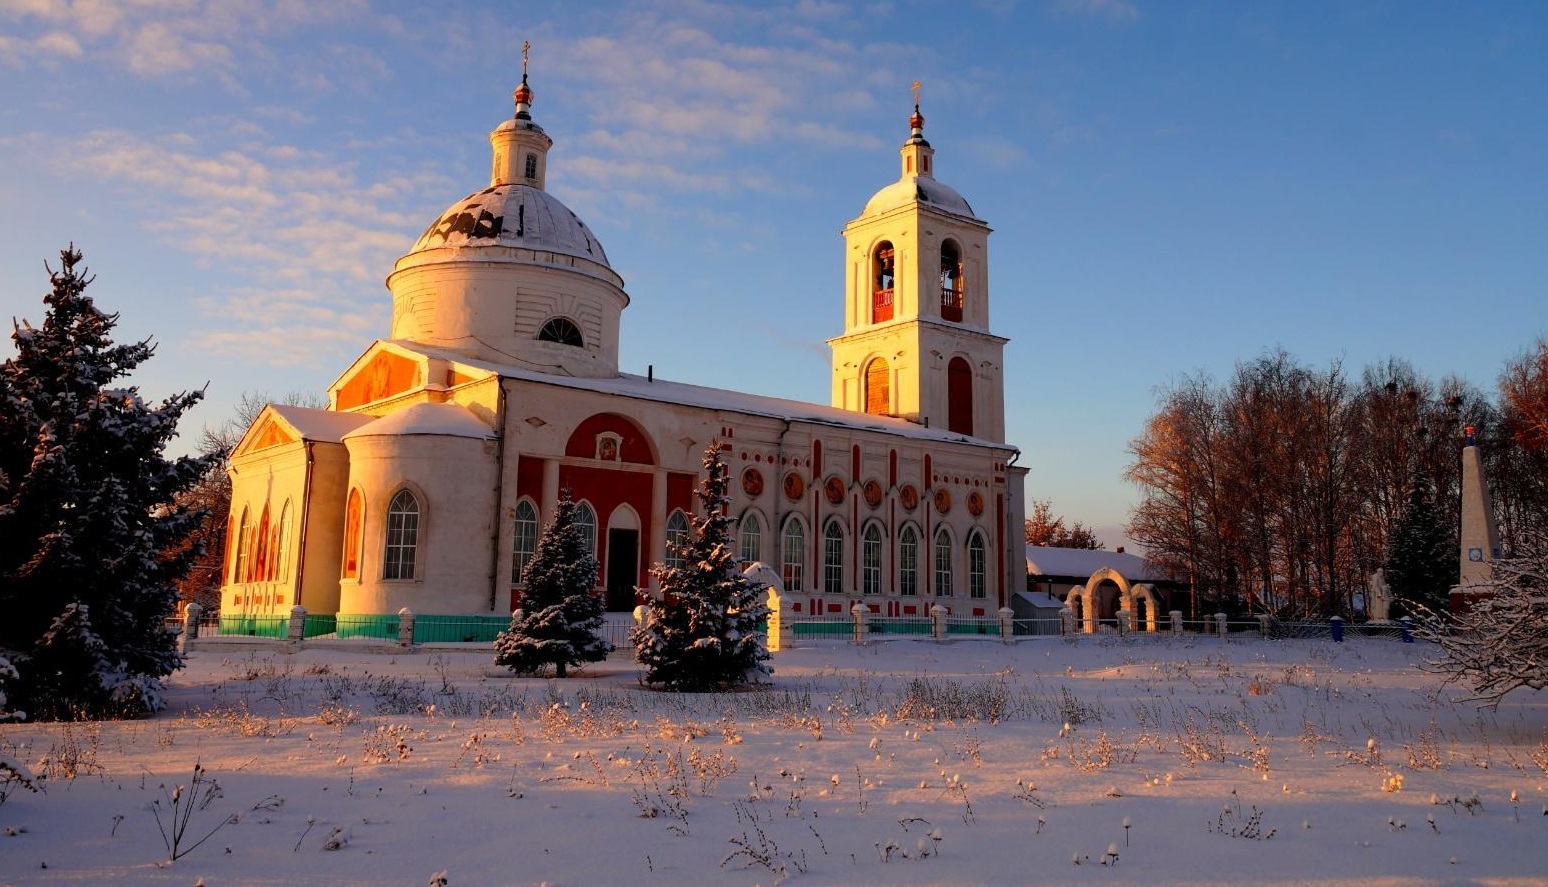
column 873, row 493
column 795, row 486
column 833, row 488
column 942, row 500
column 908, row 497
column 975, row 502
column 752, row 482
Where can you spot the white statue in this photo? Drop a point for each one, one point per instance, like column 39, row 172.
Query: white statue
column 1379, row 597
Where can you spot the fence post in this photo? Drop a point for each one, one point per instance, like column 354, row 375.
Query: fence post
column 938, row 622
column 1007, row 624
column 1220, row 624
column 1337, row 622
column 1176, row 617
column 858, row 613
column 1123, row 622
column 191, row 626
column 297, row 628
column 1406, row 622
column 1263, row 624
column 405, row 627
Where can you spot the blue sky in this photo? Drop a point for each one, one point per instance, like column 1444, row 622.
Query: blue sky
column 1174, row 186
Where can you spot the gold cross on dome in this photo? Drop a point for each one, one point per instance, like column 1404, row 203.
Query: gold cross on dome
column 526, row 45
column 916, row 93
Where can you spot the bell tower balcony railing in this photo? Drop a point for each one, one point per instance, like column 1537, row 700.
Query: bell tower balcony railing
column 951, row 304
column 881, row 305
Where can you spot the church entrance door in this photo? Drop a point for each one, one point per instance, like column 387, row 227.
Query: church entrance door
column 623, row 558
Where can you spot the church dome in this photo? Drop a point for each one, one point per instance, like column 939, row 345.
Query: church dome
column 922, row 189
column 512, row 214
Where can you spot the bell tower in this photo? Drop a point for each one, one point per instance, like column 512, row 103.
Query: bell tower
column 916, row 340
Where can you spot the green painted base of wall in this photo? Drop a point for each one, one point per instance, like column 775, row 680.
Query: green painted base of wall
column 255, row 626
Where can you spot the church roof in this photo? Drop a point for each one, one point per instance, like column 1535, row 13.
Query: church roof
column 317, row 424
column 447, row 419
column 662, row 391
column 923, row 189
column 1081, row 563
column 513, row 215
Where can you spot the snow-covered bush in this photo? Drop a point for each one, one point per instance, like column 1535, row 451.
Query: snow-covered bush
column 1501, row 642
column 560, row 620
column 702, row 631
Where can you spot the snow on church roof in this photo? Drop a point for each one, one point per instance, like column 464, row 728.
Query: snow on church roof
column 448, row 419
column 316, row 424
column 662, row 391
column 1080, row 562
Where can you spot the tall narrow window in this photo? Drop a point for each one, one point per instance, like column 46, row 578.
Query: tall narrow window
column 908, row 562
column 244, row 544
column 978, row 566
column 951, row 282
column 283, row 543
column 402, row 536
column 562, row 330
column 531, row 169
column 792, row 555
column 882, row 279
column 959, row 396
column 676, row 537
column 751, row 538
column 524, row 533
column 871, row 560
column 261, row 548
column 833, row 558
column 586, row 522
column 942, row 563
column 353, row 514
column 878, row 392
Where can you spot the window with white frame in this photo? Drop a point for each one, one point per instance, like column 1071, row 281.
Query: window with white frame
column 908, row 562
column 833, row 558
column 402, row 536
column 792, row 555
column 978, row 566
column 942, row 563
column 524, row 537
column 585, row 520
column 871, row 560
column 751, row 541
column 676, row 537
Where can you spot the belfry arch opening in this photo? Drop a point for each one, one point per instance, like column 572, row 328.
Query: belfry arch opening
column 951, row 282
column 883, row 278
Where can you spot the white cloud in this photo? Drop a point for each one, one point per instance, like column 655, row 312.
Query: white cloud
column 1118, row 11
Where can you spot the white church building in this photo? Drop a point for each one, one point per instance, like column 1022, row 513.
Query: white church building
column 426, row 481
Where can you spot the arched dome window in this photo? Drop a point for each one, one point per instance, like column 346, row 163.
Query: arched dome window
column 882, row 278
column 531, row 166
column 562, row 330
column 951, row 282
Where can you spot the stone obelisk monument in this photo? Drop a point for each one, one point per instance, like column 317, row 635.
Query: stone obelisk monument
column 1480, row 538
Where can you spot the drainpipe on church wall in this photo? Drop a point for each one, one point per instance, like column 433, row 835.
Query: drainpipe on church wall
column 502, row 421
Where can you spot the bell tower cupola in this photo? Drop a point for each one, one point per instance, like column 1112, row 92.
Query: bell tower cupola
column 916, row 341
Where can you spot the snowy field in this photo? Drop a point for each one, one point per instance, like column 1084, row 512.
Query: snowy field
column 1154, row 761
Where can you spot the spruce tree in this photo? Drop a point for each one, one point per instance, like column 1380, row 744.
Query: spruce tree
column 91, row 538
column 1421, row 562
column 702, row 633
column 560, row 619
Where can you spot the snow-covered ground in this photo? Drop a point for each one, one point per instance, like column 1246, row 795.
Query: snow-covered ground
column 1153, row 761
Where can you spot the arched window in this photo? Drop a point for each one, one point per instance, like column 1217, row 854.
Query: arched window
column 244, row 541
column 531, row 170
column 524, row 536
column 283, row 544
column 942, row 563
column 833, row 558
column 882, row 280
column 871, row 560
column 792, row 555
column 676, row 537
column 562, row 330
column 353, row 513
column 908, row 562
column 951, row 282
column 751, row 538
column 977, row 566
column 402, row 536
column 261, row 548
column 878, row 387
column 586, row 521
column 959, row 396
